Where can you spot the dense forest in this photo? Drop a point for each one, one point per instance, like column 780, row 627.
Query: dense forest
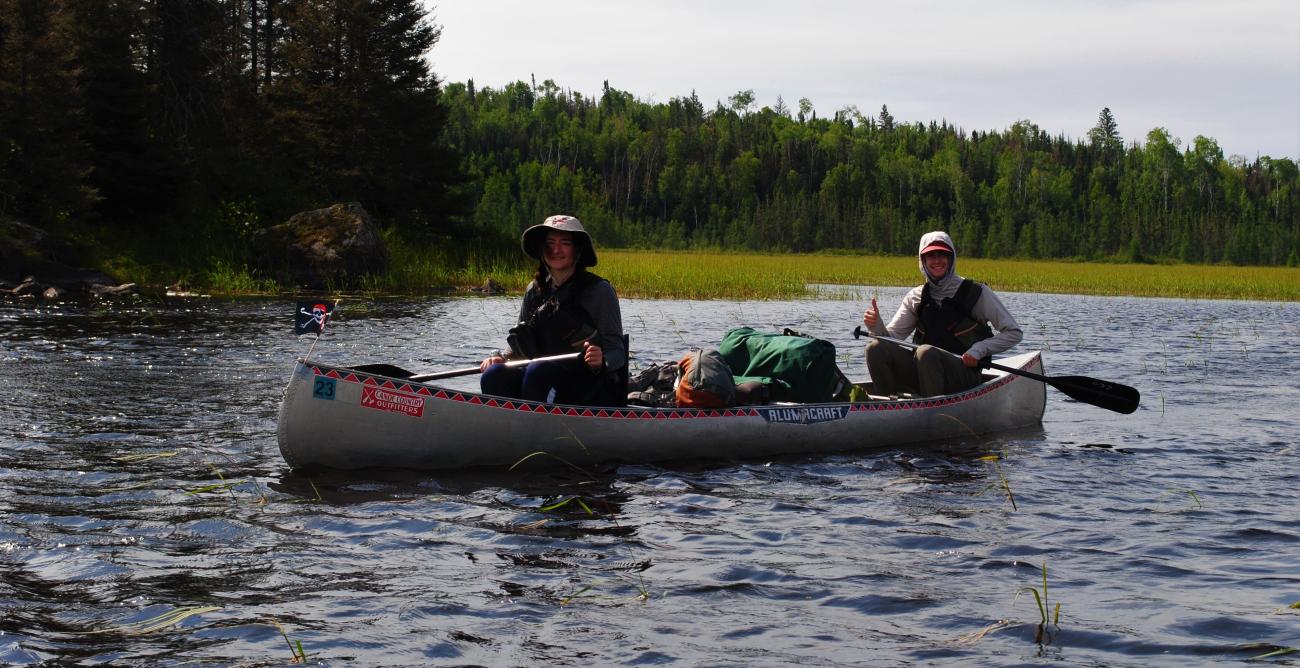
column 206, row 119
column 677, row 175
column 201, row 119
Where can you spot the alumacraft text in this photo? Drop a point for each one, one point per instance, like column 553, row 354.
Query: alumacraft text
column 804, row 415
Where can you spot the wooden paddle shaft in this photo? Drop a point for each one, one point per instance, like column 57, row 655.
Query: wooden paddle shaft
column 471, row 370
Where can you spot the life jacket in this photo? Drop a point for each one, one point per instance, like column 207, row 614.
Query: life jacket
column 555, row 321
column 949, row 324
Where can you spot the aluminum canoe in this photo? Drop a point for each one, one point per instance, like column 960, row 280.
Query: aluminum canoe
column 337, row 417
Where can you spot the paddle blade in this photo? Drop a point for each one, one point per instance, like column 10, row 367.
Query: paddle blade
column 1100, row 393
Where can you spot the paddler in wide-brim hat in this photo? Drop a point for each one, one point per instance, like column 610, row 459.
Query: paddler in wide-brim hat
column 566, row 309
column 534, row 238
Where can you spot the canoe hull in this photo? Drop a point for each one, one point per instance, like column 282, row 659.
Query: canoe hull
column 339, row 418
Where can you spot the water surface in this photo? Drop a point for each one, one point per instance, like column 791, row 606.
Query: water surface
column 139, row 476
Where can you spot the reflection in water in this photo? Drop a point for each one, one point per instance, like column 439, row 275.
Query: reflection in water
column 139, row 478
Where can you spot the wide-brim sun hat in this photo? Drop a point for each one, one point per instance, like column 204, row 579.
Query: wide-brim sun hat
column 534, row 237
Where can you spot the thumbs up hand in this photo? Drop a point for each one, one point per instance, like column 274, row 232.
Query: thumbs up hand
column 872, row 316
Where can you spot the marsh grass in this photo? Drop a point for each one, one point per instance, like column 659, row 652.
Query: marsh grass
column 681, row 275
column 159, row 622
column 422, row 269
column 704, row 275
column 543, row 453
column 976, row 636
column 576, row 500
column 227, row 277
column 229, row 487
column 146, row 456
column 561, row 502
column 295, row 646
column 451, row 267
column 1280, row 651
column 1188, row 492
column 1048, row 623
column 1004, row 483
column 642, row 593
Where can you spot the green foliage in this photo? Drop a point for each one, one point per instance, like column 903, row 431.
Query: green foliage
column 227, row 278
column 144, row 117
column 131, row 118
column 671, row 175
column 44, row 159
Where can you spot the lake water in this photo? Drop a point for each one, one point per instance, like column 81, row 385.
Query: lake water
column 140, row 478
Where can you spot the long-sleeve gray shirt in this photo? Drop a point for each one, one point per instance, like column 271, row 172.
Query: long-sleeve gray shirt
column 988, row 308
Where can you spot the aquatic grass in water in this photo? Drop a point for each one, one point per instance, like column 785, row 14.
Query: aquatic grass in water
column 159, row 622
column 1190, row 493
column 642, row 594
column 295, row 646
column 1047, row 624
column 1005, row 484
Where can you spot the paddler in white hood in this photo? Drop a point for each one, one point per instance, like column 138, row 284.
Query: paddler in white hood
column 947, row 312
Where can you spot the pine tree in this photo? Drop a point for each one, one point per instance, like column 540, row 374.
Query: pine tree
column 357, row 112
column 44, row 161
column 134, row 177
column 1105, row 135
column 886, row 119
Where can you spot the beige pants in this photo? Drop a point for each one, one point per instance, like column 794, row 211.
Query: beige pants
column 927, row 372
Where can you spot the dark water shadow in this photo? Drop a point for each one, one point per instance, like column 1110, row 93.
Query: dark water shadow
column 562, row 502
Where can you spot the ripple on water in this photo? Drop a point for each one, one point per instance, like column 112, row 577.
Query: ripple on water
column 140, row 474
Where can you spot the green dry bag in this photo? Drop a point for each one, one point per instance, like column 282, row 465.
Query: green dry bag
column 800, row 368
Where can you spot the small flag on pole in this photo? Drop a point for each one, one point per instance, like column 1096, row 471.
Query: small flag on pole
column 311, row 317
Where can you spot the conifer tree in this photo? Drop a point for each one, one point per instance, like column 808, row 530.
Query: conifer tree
column 357, row 112
column 44, row 162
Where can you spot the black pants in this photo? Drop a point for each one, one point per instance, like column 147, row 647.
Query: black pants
column 562, row 382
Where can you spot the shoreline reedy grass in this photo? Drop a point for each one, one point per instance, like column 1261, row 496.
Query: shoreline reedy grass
column 710, row 275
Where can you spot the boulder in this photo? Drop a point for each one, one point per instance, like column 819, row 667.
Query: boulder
column 328, row 247
column 46, row 264
column 26, row 250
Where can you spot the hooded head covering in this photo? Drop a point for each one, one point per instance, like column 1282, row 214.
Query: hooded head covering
column 535, row 236
column 937, row 241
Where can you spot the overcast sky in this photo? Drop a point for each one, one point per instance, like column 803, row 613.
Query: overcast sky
column 1226, row 69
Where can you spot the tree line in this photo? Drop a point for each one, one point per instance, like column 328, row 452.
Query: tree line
column 678, row 175
column 206, row 119
column 163, row 117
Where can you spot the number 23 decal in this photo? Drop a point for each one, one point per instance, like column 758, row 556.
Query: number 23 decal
column 324, row 389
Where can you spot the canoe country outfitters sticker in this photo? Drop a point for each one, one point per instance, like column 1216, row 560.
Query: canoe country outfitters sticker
column 381, row 399
column 804, row 415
